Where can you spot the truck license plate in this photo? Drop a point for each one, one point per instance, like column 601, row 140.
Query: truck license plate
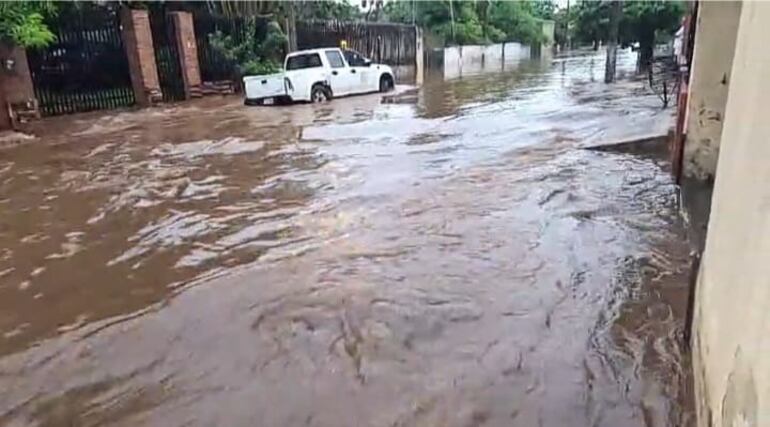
column 268, row 101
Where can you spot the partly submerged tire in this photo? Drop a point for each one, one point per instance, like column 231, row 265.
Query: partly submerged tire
column 320, row 94
column 386, row 83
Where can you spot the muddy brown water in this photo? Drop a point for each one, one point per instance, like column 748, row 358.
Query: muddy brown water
column 445, row 256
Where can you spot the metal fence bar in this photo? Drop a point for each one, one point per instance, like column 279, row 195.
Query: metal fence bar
column 86, row 67
column 166, row 56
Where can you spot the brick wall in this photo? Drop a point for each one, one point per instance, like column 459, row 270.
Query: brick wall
column 137, row 39
column 188, row 53
column 15, row 84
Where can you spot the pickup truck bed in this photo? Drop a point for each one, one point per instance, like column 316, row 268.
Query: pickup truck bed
column 267, row 87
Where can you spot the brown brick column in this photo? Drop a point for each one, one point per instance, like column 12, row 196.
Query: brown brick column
column 5, row 118
column 188, row 53
column 15, row 85
column 137, row 40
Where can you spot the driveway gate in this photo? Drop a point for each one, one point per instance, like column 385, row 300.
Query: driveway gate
column 166, row 55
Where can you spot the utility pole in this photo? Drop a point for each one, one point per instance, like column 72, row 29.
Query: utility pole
column 452, row 17
column 616, row 11
column 569, row 39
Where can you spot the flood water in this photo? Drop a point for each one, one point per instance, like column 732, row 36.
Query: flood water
column 446, row 256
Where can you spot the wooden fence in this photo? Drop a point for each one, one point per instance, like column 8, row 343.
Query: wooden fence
column 392, row 44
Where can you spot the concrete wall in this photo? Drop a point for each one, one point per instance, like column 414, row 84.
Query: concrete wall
column 549, row 30
column 712, row 60
column 475, row 59
column 419, row 56
column 732, row 306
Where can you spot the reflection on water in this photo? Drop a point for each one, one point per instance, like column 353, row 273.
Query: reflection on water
column 443, row 256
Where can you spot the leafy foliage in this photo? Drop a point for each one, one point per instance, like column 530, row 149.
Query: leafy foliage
column 476, row 21
column 251, row 53
column 277, row 9
column 640, row 22
column 560, row 30
column 234, row 9
column 327, row 9
column 590, row 21
column 544, row 9
column 516, row 20
column 22, row 23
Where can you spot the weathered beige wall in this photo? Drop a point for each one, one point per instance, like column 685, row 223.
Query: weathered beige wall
column 549, row 30
column 732, row 311
column 710, row 78
column 475, row 59
column 419, row 66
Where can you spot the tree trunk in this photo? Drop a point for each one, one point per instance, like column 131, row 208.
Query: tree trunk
column 616, row 11
column 452, row 17
column 646, row 46
column 5, row 117
column 291, row 28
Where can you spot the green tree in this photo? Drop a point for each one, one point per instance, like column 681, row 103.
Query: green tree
column 477, row 21
column 560, row 29
column 643, row 21
column 516, row 21
column 23, row 23
column 436, row 16
column 590, row 22
column 543, row 9
column 256, row 53
column 327, row 9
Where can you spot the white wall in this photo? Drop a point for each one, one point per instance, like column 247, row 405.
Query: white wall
column 732, row 311
column 475, row 59
column 709, row 81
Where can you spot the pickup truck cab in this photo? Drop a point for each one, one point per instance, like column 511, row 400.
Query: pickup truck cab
column 318, row 75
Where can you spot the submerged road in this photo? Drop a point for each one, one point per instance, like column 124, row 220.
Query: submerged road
column 448, row 256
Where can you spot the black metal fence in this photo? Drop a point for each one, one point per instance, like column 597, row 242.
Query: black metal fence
column 663, row 76
column 392, row 44
column 166, row 55
column 86, row 68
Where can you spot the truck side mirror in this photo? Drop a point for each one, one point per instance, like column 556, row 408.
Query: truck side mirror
column 366, row 62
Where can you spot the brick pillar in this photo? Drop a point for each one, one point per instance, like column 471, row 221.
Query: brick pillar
column 5, row 118
column 184, row 31
column 137, row 40
column 18, row 93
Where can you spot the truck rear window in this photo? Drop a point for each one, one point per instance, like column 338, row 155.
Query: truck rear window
column 299, row 62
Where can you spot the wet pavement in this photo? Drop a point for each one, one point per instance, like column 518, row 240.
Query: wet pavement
column 448, row 256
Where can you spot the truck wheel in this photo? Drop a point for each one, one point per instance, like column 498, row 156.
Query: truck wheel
column 386, row 83
column 319, row 94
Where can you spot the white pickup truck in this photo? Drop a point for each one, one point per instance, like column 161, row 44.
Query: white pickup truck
column 317, row 75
